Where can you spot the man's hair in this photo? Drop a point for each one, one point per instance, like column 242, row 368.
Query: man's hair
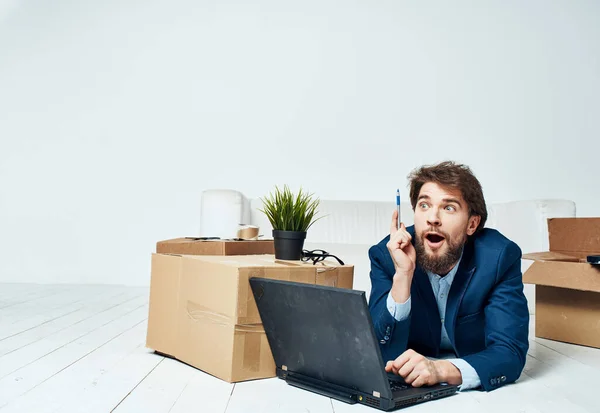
column 451, row 175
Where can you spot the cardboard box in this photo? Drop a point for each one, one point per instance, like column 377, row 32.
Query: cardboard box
column 567, row 291
column 199, row 246
column 329, row 272
column 203, row 313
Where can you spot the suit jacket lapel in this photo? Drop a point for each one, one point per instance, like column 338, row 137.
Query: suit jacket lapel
column 458, row 288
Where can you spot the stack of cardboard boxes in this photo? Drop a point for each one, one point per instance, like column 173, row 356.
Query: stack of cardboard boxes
column 202, row 310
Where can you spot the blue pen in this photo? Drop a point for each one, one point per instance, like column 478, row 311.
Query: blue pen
column 398, row 206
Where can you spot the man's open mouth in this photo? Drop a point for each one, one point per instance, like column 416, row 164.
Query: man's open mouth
column 434, row 239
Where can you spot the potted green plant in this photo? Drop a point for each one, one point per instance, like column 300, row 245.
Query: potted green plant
column 291, row 215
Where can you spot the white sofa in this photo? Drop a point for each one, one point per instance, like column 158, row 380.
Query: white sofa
column 350, row 228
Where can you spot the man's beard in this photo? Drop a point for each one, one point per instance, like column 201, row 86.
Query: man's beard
column 441, row 264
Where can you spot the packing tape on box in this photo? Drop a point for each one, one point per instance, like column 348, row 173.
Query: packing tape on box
column 325, row 267
column 251, row 342
column 247, row 232
column 328, row 264
column 250, row 328
column 251, row 360
column 198, row 312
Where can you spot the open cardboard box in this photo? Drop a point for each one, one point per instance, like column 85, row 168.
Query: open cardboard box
column 202, row 310
column 567, row 291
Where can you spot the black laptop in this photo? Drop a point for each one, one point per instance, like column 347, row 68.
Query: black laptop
column 322, row 339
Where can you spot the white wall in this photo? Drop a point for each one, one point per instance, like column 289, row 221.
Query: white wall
column 115, row 115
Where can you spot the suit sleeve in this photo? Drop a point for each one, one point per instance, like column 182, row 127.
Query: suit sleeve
column 391, row 334
column 506, row 325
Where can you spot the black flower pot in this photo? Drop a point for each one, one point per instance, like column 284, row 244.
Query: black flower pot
column 288, row 244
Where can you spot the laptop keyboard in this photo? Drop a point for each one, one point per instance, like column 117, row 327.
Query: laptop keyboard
column 394, row 385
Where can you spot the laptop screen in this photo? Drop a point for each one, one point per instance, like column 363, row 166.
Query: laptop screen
column 322, row 332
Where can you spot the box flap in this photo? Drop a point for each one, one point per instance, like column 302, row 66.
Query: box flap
column 571, row 275
column 550, row 256
column 574, row 234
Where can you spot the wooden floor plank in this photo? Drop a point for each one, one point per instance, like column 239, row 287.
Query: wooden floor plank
column 160, row 390
column 527, row 395
column 99, row 304
column 20, row 358
column 54, row 296
column 206, row 391
column 28, row 312
column 109, row 389
column 275, row 395
column 73, row 380
column 564, row 377
column 585, row 355
column 12, row 291
column 35, row 293
column 32, row 374
column 46, row 314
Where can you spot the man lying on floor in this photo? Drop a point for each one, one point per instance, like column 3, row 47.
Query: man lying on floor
column 447, row 296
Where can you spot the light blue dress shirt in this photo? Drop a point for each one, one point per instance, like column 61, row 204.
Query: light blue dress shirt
column 441, row 288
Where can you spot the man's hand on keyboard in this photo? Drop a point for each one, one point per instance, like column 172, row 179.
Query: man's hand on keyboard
column 418, row 370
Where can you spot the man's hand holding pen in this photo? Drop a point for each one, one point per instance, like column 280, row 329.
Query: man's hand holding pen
column 404, row 256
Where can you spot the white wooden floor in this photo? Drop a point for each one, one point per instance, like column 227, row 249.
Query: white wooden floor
column 81, row 349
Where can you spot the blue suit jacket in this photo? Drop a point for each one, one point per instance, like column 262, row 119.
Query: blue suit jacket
column 487, row 319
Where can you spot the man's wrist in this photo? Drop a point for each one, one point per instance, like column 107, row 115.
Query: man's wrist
column 448, row 372
column 401, row 287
